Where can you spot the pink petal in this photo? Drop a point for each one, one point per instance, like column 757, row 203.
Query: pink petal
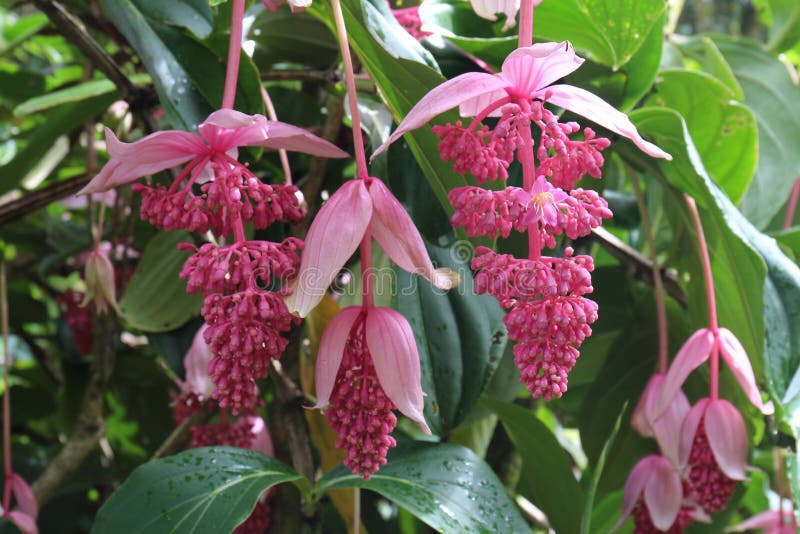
column 694, row 352
column 770, row 519
column 689, row 429
column 663, row 493
column 634, row 486
column 196, row 362
column 288, row 137
column 473, row 106
column 333, row 237
column 598, row 110
column 735, row 356
column 147, row 156
column 394, row 353
column 640, row 420
column 397, row 235
column 331, row 350
column 532, row 68
column 442, row 98
column 227, row 128
column 262, row 442
column 26, row 501
column 24, row 522
column 487, row 9
column 667, row 427
column 727, row 437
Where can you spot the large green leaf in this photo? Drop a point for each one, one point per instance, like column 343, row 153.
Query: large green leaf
column 292, row 37
column 211, row 489
column 460, row 337
column 723, row 131
column 446, row 486
column 546, row 477
column 772, row 95
column 783, row 19
column 156, row 299
column 73, row 93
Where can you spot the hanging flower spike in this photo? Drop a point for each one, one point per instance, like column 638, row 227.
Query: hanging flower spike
column 221, row 133
column 666, row 428
column 488, row 10
column 367, row 366
column 698, row 349
column 713, row 452
column 336, row 232
column 101, row 287
column 526, row 75
column 408, row 17
column 27, row 507
column 654, row 494
column 769, row 522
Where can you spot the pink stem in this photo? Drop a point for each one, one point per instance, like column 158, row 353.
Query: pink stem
column 352, row 96
column 6, row 395
column 234, row 53
column 282, row 154
column 526, row 23
column 497, row 104
column 787, row 221
column 368, row 299
column 710, row 296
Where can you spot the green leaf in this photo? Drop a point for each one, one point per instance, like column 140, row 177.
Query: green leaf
column 783, row 19
column 723, row 131
column 596, row 473
column 446, row 486
column 156, row 299
column 74, row 93
column 194, row 15
column 547, row 479
column 21, row 30
column 212, row 489
column 460, row 337
column 292, row 37
column 772, row 95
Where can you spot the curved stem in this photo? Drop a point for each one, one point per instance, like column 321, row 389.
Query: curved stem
column 6, row 394
column 497, row 104
column 658, row 286
column 234, row 53
column 526, row 23
column 368, row 299
column 352, row 96
column 282, row 154
column 790, row 209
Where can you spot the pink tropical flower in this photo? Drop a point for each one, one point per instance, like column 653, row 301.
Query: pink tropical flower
column 367, row 366
column 543, row 204
column 408, row 17
column 654, row 494
column 666, row 428
column 101, row 288
column 24, row 517
column 220, row 135
column 713, row 452
column 198, row 381
column 769, row 522
column 527, row 75
column 698, row 349
column 488, row 9
column 355, row 208
column 297, row 6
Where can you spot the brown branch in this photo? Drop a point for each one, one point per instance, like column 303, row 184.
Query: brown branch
column 290, row 403
column 35, row 200
column 180, row 437
column 300, row 75
column 638, row 264
column 41, row 356
column 90, row 425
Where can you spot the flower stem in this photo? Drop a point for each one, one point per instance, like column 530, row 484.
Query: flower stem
column 526, row 23
column 368, row 299
column 526, row 159
column 234, row 53
column 282, row 154
column 6, row 394
column 658, row 286
column 787, row 221
column 710, row 297
column 352, row 95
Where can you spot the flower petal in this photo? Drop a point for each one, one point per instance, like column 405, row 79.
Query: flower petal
column 640, row 420
column 694, row 352
column 771, row 519
column 532, row 68
column 727, row 437
column 331, row 350
column 394, row 353
column 285, row 136
column 196, row 361
column 667, row 427
column 227, row 128
column 26, row 501
column 442, row 98
column 634, row 487
column 147, row 156
column 487, row 9
column 735, row 356
column 397, row 235
column 262, row 442
column 333, row 237
column 689, row 429
column 25, row 523
column 598, row 110
column 663, row 493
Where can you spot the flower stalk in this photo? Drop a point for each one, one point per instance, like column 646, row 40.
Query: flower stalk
column 234, row 55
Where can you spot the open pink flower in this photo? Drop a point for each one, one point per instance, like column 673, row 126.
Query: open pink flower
column 340, row 225
column 666, row 428
column 698, row 349
column 24, row 517
column 221, row 133
column 769, row 522
column 655, row 489
column 367, row 366
column 526, row 75
column 543, row 204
